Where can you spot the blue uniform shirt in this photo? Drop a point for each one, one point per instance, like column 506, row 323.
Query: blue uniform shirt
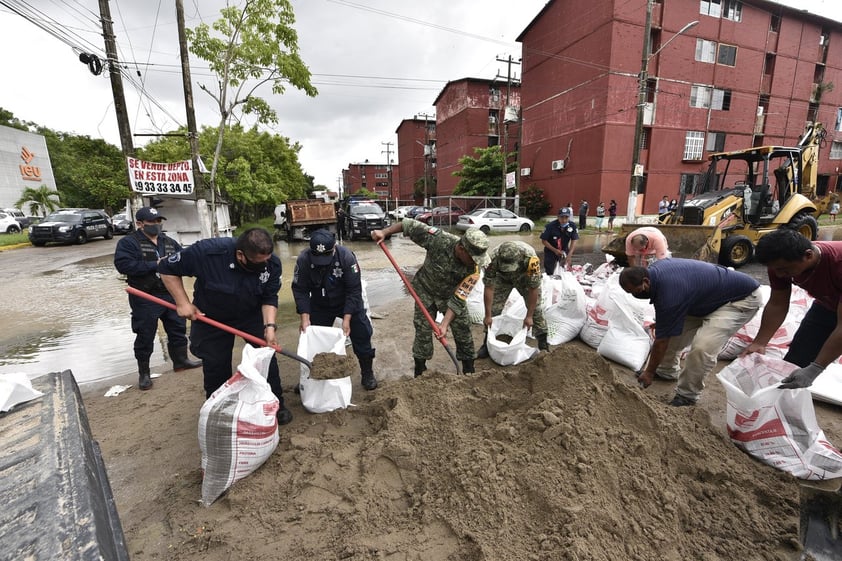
column 685, row 287
column 223, row 289
column 331, row 288
column 559, row 235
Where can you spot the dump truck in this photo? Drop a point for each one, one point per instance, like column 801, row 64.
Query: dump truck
column 296, row 219
column 744, row 195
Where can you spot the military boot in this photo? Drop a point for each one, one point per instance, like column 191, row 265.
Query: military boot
column 144, row 379
column 369, row 382
column 468, row 366
column 542, row 342
column 420, row 366
column 180, row 360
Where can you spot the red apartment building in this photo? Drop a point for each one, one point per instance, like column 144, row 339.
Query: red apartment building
column 471, row 113
column 750, row 73
column 417, row 158
column 382, row 179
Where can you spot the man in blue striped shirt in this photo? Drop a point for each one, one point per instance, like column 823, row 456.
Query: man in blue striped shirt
column 697, row 304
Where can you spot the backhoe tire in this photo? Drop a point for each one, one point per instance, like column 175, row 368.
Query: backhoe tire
column 735, row 251
column 805, row 225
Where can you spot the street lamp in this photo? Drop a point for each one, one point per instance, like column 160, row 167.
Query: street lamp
column 637, row 167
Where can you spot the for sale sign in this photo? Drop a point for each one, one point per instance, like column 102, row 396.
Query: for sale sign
column 155, row 178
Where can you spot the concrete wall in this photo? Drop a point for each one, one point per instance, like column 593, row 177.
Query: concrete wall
column 24, row 162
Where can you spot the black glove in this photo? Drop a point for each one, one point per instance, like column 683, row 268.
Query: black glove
column 802, row 377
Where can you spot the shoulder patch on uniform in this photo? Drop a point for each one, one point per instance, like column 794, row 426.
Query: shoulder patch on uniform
column 432, row 230
column 174, row 258
column 534, row 267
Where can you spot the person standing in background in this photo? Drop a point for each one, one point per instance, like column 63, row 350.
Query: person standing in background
column 583, row 214
column 559, row 240
column 600, row 216
column 612, row 214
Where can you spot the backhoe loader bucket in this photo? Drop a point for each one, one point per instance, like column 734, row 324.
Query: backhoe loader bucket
column 688, row 242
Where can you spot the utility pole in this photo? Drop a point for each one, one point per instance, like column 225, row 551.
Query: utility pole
column 117, row 90
column 504, row 147
column 192, row 132
column 388, row 153
column 428, row 152
column 642, row 79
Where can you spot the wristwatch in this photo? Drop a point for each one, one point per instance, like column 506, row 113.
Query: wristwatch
column 272, row 325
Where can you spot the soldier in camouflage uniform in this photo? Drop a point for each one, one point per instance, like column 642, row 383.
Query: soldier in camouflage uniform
column 443, row 283
column 514, row 265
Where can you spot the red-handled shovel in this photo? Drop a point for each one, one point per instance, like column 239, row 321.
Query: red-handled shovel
column 436, row 331
column 203, row 318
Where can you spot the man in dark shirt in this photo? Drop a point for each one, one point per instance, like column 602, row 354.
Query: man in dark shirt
column 327, row 284
column 559, row 240
column 137, row 256
column 697, row 304
column 816, row 267
column 237, row 283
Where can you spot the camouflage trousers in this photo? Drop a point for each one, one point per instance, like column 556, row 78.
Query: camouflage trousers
column 422, row 347
column 501, row 294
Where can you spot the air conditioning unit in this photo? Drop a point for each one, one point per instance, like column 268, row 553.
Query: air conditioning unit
column 558, row 165
column 525, row 171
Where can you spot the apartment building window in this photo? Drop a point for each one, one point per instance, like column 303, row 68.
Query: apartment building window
column 775, row 23
column 705, row 50
column 710, row 8
column 838, row 126
column 706, row 97
column 381, row 176
column 727, row 55
column 733, row 10
column 716, row 142
column 835, row 150
column 693, row 145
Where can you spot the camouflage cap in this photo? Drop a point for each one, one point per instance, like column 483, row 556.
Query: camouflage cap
column 476, row 244
column 508, row 256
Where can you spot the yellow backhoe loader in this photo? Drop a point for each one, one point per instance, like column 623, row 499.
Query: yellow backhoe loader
column 744, row 195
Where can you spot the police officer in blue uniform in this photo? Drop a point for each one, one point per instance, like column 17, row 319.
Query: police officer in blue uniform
column 559, row 239
column 327, row 285
column 237, row 283
column 137, row 256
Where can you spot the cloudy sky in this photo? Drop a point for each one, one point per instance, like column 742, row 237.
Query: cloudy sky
column 374, row 62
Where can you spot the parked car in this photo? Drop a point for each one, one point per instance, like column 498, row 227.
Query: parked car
column 441, row 216
column 494, row 220
column 122, row 223
column 23, row 220
column 8, row 224
column 416, row 210
column 71, row 225
column 400, row 212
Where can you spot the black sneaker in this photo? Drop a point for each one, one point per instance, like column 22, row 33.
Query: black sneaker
column 681, row 401
column 284, row 415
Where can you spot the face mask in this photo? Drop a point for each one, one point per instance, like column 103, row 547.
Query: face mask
column 152, row 229
column 251, row 266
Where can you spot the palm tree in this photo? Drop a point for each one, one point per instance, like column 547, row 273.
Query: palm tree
column 41, row 200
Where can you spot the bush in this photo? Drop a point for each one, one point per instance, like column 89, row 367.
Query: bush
column 533, row 204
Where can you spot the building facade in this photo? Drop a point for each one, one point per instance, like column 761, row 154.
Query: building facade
column 749, row 73
column 24, row 162
column 417, row 158
column 381, row 179
column 473, row 113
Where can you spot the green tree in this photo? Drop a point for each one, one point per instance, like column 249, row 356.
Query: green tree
column 40, row 201
column 533, row 203
column 256, row 170
column 482, row 175
column 250, row 47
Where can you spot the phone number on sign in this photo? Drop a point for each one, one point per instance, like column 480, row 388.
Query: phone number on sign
column 159, row 187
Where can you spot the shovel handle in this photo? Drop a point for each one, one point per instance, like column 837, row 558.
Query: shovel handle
column 233, row 330
column 436, row 330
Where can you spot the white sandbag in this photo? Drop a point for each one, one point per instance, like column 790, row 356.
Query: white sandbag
column 515, row 306
column 15, row 388
column 778, row 427
column 599, row 312
column 828, row 386
column 475, row 302
column 626, row 341
column 238, row 428
column 564, row 310
column 321, row 396
column 514, row 352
